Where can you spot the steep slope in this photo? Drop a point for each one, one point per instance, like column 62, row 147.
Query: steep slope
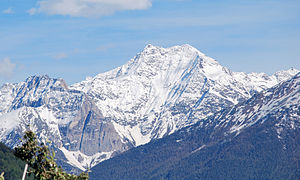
column 159, row 91
column 164, row 89
column 256, row 139
column 7, row 94
column 66, row 117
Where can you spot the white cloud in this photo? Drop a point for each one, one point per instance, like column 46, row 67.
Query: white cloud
column 32, row 11
column 89, row 8
column 8, row 11
column 6, row 68
column 60, row 56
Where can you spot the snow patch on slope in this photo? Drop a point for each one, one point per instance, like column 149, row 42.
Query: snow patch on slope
column 82, row 161
column 132, row 133
column 8, row 122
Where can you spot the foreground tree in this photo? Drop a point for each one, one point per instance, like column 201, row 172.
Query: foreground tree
column 41, row 161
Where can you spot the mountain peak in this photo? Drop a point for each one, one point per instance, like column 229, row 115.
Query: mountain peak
column 44, row 81
column 154, row 60
column 185, row 47
column 37, row 78
column 151, row 49
column 286, row 74
column 149, row 46
column 291, row 70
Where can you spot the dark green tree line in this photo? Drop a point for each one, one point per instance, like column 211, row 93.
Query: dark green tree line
column 41, row 161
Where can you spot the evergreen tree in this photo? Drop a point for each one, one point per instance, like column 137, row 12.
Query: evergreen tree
column 42, row 161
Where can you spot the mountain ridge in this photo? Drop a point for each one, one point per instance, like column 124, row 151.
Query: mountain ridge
column 214, row 149
column 161, row 82
column 158, row 92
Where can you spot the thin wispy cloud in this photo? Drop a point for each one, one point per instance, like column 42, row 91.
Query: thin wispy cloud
column 6, row 68
column 32, row 11
column 8, row 11
column 88, row 8
column 60, row 56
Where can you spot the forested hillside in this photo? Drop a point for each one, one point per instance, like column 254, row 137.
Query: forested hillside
column 9, row 164
column 257, row 153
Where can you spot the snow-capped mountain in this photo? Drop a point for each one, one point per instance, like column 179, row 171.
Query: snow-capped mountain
column 156, row 93
column 164, row 89
column 68, row 118
column 256, row 139
column 279, row 104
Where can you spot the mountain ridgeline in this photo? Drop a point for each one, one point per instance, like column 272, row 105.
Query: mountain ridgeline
column 267, row 147
column 157, row 93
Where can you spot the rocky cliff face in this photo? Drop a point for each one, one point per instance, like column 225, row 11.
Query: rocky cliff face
column 156, row 93
column 90, row 133
column 68, row 118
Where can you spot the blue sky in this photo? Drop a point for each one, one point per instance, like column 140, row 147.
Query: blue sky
column 73, row 39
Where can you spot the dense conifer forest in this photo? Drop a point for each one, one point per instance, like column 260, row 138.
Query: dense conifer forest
column 254, row 154
column 9, row 164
